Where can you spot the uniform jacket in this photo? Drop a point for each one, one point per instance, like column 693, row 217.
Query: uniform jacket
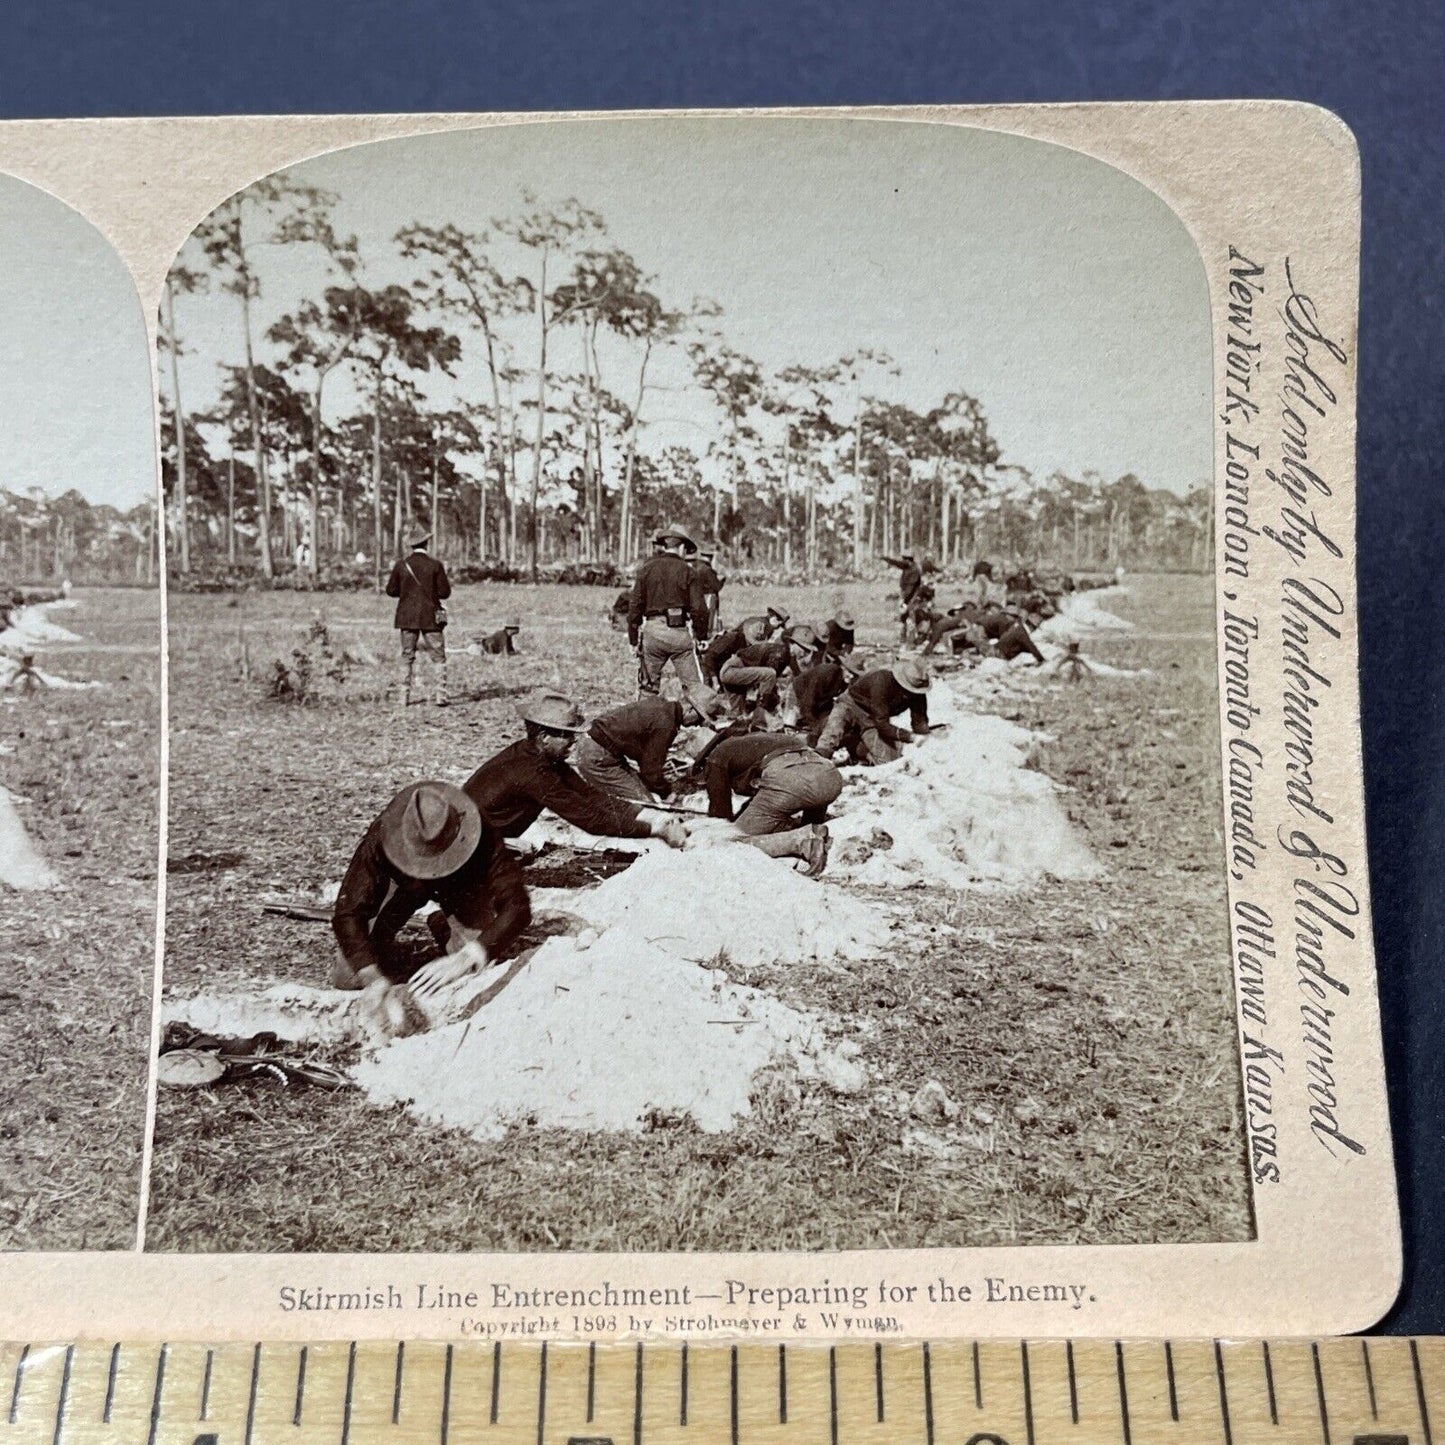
column 514, row 787
column 734, row 766
column 909, row 581
column 641, row 731
column 816, row 689
column 664, row 582
column 419, row 583
column 880, row 696
column 376, row 898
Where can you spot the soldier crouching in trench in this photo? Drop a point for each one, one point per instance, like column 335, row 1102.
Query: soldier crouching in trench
column 430, row 844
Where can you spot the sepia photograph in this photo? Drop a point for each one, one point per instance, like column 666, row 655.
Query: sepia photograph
column 80, row 741
column 694, row 712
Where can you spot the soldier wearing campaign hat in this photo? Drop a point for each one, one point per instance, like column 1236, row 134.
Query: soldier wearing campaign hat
column 430, row 844
column 668, row 614
column 419, row 583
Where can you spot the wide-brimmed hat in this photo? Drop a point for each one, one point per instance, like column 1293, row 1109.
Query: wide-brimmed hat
column 430, row 829
column 845, row 620
column 852, row 664
column 803, row 636
column 553, row 711
column 674, row 533
column 420, row 536
column 781, row 613
column 512, row 624
column 911, row 674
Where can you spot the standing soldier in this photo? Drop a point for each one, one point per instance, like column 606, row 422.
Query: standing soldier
column 667, row 614
column 419, row 583
column 711, row 585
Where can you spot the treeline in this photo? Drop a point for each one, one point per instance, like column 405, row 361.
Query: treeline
column 552, row 337
column 50, row 539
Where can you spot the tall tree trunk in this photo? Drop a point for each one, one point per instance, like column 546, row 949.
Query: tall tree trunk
column 231, row 505
column 434, row 485
column 182, row 506
column 532, row 533
column 258, row 446
column 624, row 525
column 315, row 558
column 376, row 479
column 787, row 493
column 858, row 492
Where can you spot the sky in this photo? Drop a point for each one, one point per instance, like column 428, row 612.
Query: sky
column 75, row 384
column 1061, row 293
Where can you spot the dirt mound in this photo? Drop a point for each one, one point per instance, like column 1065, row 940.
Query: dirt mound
column 730, row 898
column 574, row 1042
column 959, row 808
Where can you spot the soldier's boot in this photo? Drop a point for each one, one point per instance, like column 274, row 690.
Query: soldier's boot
column 408, row 670
column 439, row 697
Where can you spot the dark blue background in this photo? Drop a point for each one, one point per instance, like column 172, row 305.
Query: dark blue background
column 1379, row 65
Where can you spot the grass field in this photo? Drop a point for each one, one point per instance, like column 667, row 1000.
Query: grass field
column 1087, row 1028
column 78, row 962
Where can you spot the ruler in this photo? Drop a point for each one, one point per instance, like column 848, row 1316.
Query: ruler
column 1085, row 1392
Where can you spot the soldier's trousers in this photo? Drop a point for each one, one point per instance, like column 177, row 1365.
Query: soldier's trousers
column 849, row 724
column 434, row 646
column 735, row 677
column 607, row 772
column 792, row 787
column 662, row 644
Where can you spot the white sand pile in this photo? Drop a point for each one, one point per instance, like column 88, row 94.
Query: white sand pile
column 10, row 669
column 21, row 865
column 291, row 1011
column 1080, row 616
column 599, row 1037
column 961, row 807
column 31, row 628
column 732, row 898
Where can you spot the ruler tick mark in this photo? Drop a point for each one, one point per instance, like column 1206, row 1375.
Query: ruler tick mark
column 1370, row 1379
column 251, row 1402
column 1173, row 1387
column 1073, row 1383
column 637, row 1400
column 592, row 1380
column 156, row 1396
column 541, row 1395
column 396, row 1382
column 496, row 1378
column 1320, row 1394
column 205, row 1385
column 19, row 1379
column 300, row 1385
column 927, row 1394
column 1223, row 1394
column 733, row 1392
column 447, row 1394
column 1420, row 1394
column 1123, row 1389
column 1028, row 1390
column 110, row 1384
column 878, row 1379
column 833, row 1394
column 346, row 1401
column 782, row 1384
column 977, row 1380
column 1269, row 1383
column 64, row 1393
